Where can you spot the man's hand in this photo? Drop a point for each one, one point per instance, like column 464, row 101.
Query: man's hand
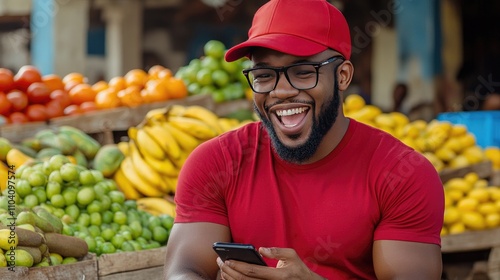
column 289, row 266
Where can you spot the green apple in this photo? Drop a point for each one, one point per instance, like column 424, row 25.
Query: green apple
column 214, row 48
column 220, row 78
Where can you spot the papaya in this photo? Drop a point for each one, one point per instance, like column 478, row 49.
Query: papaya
column 85, row 143
column 26, row 150
column 32, row 143
column 108, row 159
column 80, row 158
column 21, row 257
column 15, row 158
column 4, row 175
column 67, row 144
column 47, row 153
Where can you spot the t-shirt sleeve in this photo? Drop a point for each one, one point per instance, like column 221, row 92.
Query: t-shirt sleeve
column 411, row 201
column 199, row 195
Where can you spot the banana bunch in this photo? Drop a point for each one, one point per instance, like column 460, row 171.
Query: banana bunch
column 159, row 146
column 156, row 206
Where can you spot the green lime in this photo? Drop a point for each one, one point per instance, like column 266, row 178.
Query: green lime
column 167, row 221
column 30, row 201
column 59, row 212
column 55, row 176
column 70, row 172
column 117, row 196
column 160, row 234
column 98, row 177
column 37, row 179
column 214, row 48
column 127, row 235
column 107, row 217
column 130, row 204
column 52, row 189
column 117, row 241
column 69, row 195
column 23, row 187
column 84, row 219
column 107, row 234
column 25, row 172
column 91, row 243
column 94, row 230
column 94, row 207
column 85, row 196
column 86, row 178
column 127, row 246
column 95, row 219
column 73, row 211
column 68, row 230
column 57, row 161
column 68, row 260
column 108, row 248
column 115, row 207
column 40, row 194
column 100, row 190
column 112, row 186
column 147, row 234
column 115, row 226
column 153, row 222
column 58, row 201
column 136, row 229
column 120, row 218
column 105, row 203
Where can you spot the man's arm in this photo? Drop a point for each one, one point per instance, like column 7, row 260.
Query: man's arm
column 406, row 260
column 189, row 250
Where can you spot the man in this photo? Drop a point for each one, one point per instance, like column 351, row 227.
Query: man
column 321, row 195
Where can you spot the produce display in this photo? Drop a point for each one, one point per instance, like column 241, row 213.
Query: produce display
column 445, row 145
column 28, row 96
column 211, row 74
column 158, row 147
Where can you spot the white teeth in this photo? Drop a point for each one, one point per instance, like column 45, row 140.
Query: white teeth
column 290, row 112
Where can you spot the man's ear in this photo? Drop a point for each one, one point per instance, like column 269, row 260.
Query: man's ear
column 345, row 72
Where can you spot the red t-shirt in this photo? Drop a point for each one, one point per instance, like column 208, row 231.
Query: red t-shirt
column 370, row 187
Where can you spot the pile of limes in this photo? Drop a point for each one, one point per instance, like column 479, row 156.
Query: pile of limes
column 211, row 74
column 90, row 206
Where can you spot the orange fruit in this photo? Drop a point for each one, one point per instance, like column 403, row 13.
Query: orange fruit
column 155, row 70
column 100, row 85
column 70, row 85
column 53, row 82
column 136, row 77
column 88, row 106
column 176, row 88
column 18, row 117
column 131, row 96
column 118, row 83
column 107, row 99
column 74, row 77
column 81, row 93
column 155, row 91
column 72, row 110
column 165, row 74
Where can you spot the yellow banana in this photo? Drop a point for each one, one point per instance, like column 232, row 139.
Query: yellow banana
column 164, row 166
column 155, row 115
column 147, row 173
column 157, row 204
column 186, row 141
column 203, row 114
column 148, row 145
column 193, row 127
column 139, row 184
column 176, row 110
column 123, row 147
column 166, row 140
column 226, row 124
column 179, row 162
column 132, row 133
column 125, row 185
column 172, row 184
column 144, row 208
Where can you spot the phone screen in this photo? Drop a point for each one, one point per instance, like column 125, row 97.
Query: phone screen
column 240, row 252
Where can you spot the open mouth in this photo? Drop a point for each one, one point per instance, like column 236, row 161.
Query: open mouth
column 292, row 117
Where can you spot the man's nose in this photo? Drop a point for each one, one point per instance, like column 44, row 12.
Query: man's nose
column 284, row 88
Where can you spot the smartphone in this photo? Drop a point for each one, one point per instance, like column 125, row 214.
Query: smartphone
column 239, row 252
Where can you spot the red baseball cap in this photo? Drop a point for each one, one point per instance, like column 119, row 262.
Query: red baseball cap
column 296, row 27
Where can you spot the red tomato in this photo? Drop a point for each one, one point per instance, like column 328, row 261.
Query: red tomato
column 54, row 109
column 38, row 93
column 88, row 106
column 62, row 96
column 18, row 99
column 5, row 104
column 27, row 75
column 18, row 117
column 36, row 112
column 6, row 80
column 72, row 110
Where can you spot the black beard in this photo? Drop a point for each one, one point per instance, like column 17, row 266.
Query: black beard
column 327, row 117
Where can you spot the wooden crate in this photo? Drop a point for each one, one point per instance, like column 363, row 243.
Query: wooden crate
column 84, row 269
column 483, row 169
column 474, row 241
column 146, row 264
column 495, row 178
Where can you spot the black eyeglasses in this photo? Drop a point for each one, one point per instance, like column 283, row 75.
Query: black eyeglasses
column 301, row 76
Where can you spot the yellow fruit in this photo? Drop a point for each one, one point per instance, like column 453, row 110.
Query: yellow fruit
column 435, row 161
column 421, row 125
column 497, row 205
column 16, row 158
column 467, row 204
column 447, row 201
column 456, row 228
column 492, row 220
column 459, row 162
column 367, row 113
column 493, row 154
column 354, row 102
column 494, row 193
column 458, row 130
column 453, row 144
column 451, row 215
column 458, row 184
column 444, row 231
column 480, row 194
column 400, row 118
column 411, row 131
column 473, row 220
column 445, row 154
column 454, row 195
column 474, row 154
column 487, row 208
column 385, row 120
column 467, row 140
column 481, row 184
column 471, row 177
column 8, row 239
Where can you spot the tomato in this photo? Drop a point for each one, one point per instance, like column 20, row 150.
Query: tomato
column 88, row 106
column 6, row 80
column 18, row 117
column 27, row 75
column 38, row 93
column 62, row 96
column 36, row 112
column 5, row 104
column 18, row 99
column 72, row 110
column 54, row 109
